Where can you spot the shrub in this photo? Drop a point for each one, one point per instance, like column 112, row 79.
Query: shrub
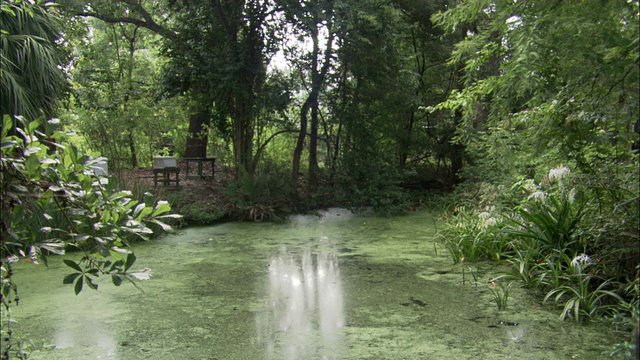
column 53, row 201
column 557, row 221
column 259, row 197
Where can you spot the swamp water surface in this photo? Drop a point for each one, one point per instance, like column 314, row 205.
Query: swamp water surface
column 332, row 287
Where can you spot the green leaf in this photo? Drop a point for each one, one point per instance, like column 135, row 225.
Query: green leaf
column 31, row 150
column 120, row 195
column 140, row 230
column 131, row 259
column 33, row 126
column 164, row 226
column 145, row 211
column 115, row 255
column 7, row 124
column 81, row 238
column 70, row 278
column 116, row 279
column 170, row 216
column 161, row 208
column 106, row 216
column 116, row 265
column 48, row 161
column 138, row 210
column 90, row 283
column 78, row 287
column 94, row 272
column 72, row 264
column 128, row 203
column 55, row 248
column 6, row 144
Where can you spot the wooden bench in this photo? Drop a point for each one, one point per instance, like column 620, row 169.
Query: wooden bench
column 200, row 162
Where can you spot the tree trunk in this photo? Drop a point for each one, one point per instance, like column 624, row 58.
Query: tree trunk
column 317, row 79
column 316, row 83
column 405, row 139
column 198, row 136
column 297, row 153
column 132, row 50
column 313, row 145
column 457, row 149
column 457, row 153
column 242, row 139
column 132, row 148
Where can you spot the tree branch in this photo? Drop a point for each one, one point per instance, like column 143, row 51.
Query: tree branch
column 258, row 154
column 147, row 23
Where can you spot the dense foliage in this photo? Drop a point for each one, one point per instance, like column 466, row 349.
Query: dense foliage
column 54, row 197
column 526, row 112
column 31, row 81
column 549, row 112
column 53, row 201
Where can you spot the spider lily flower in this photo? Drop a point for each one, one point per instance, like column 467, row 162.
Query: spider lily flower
column 580, row 260
column 558, row 173
column 538, row 195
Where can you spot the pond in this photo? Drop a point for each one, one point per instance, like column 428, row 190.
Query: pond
column 337, row 286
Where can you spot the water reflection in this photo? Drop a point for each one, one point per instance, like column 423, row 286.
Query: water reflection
column 97, row 340
column 304, row 306
column 516, row 333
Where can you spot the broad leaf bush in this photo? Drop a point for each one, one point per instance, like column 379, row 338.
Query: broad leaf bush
column 53, row 202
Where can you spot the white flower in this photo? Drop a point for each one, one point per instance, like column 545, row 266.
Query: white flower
column 529, row 185
column 572, row 196
column 486, row 220
column 538, row 196
column 558, row 173
column 581, row 259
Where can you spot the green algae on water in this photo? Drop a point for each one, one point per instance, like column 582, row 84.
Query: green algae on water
column 338, row 286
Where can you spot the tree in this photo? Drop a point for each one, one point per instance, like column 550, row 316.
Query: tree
column 53, row 200
column 180, row 80
column 425, row 138
column 31, row 75
column 389, row 65
column 244, row 72
column 566, row 75
column 217, row 57
column 115, row 73
column 310, row 18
